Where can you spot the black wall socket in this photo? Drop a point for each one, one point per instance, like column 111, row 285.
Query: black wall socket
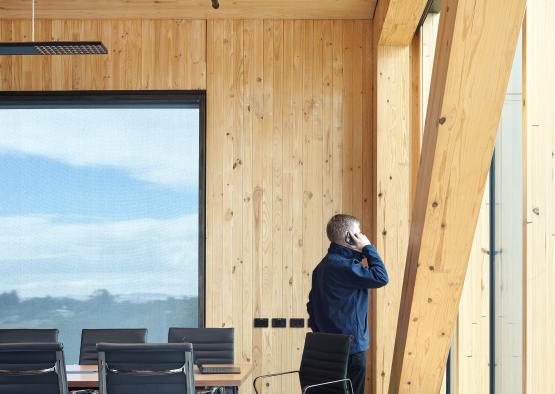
column 261, row 323
column 296, row 323
column 279, row 323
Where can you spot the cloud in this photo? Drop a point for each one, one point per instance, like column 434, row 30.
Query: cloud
column 153, row 145
column 144, row 255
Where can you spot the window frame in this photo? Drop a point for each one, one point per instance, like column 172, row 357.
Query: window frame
column 134, row 99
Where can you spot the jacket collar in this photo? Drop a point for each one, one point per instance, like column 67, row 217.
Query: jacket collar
column 344, row 251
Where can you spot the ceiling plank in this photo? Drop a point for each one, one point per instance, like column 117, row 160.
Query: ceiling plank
column 189, row 9
column 474, row 55
column 395, row 21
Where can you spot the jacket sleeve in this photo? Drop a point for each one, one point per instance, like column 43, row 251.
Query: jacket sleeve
column 371, row 277
column 310, row 310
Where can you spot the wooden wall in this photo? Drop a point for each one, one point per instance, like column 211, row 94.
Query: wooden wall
column 392, row 178
column 289, row 138
column 144, row 54
column 539, row 123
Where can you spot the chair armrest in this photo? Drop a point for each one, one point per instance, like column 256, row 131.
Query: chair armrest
column 146, row 372
column 211, row 390
column 350, row 384
column 269, row 376
column 26, row 372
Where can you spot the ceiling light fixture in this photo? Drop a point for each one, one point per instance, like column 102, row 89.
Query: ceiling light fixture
column 51, row 47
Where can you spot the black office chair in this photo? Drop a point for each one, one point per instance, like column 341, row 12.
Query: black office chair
column 323, row 365
column 145, row 368
column 28, row 335
column 31, row 368
column 211, row 346
column 90, row 337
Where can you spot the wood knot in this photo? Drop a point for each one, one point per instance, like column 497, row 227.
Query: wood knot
column 442, row 120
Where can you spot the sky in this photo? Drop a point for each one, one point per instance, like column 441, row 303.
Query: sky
column 99, row 199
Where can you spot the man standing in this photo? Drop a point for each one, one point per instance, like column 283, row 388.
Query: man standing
column 338, row 300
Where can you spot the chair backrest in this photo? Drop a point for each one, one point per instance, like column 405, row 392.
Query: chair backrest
column 31, row 368
column 211, row 345
column 28, row 335
column 325, row 358
column 90, row 337
column 145, row 369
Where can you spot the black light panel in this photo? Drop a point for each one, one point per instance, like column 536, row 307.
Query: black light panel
column 53, row 48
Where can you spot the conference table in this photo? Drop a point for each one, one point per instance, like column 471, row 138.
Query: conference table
column 86, row 377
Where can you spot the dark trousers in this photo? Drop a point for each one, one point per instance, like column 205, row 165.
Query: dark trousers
column 356, row 371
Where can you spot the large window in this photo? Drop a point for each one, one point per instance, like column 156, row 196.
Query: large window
column 101, row 212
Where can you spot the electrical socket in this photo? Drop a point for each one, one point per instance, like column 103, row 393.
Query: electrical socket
column 296, row 323
column 279, row 323
column 261, row 323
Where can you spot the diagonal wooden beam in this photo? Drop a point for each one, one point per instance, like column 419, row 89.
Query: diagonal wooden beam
column 474, row 55
column 395, row 21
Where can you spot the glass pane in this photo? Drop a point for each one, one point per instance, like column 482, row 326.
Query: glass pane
column 508, row 238
column 99, row 220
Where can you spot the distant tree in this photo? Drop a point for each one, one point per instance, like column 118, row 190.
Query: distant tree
column 102, row 297
column 9, row 299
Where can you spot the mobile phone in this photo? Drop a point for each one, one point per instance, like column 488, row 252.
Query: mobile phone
column 349, row 239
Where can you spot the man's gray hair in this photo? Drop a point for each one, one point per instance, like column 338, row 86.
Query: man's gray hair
column 339, row 225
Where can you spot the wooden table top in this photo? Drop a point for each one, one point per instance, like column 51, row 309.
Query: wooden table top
column 86, row 376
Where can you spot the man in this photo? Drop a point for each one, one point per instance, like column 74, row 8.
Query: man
column 338, row 300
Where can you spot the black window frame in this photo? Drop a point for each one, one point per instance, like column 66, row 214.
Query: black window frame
column 133, row 99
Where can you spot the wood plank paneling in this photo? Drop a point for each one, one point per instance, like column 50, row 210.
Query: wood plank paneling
column 472, row 339
column 392, row 180
column 539, row 126
column 143, row 54
column 296, row 154
column 190, row 9
column 394, row 26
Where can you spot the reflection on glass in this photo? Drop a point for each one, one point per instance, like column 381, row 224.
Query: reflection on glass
column 99, row 220
column 508, row 274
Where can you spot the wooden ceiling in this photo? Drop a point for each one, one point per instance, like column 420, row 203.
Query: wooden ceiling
column 189, row 9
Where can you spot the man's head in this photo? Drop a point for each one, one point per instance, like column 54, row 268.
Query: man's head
column 338, row 227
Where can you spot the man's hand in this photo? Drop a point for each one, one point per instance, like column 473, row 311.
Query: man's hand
column 361, row 241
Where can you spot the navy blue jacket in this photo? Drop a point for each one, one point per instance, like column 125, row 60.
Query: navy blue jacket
column 338, row 300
